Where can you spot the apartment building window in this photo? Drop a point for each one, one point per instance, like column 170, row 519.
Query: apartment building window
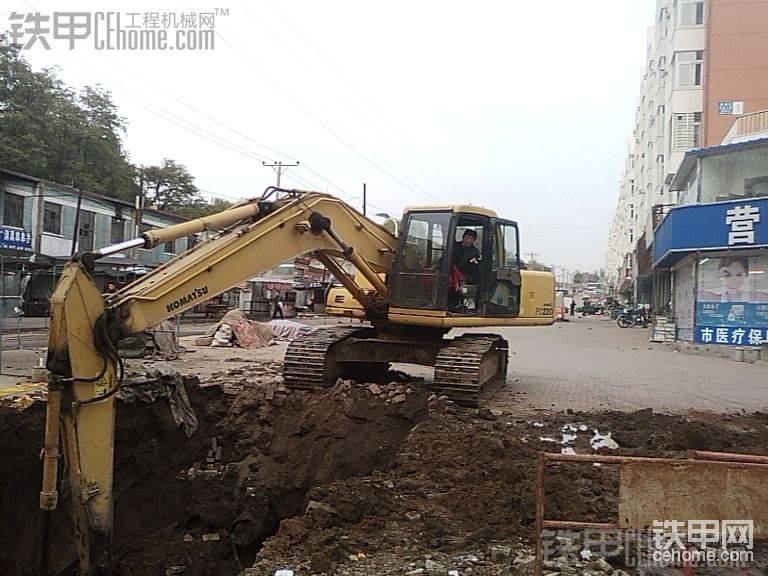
column 87, row 230
column 691, row 12
column 660, row 165
column 52, row 218
column 191, row 241
column 117, row 231
column 13, row 212
column 631, row 235
column 632, row 211
column 689, row 68
column 687, row 131
column 170, row 247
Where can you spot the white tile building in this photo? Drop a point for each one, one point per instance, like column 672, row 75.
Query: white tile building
column 668, row 121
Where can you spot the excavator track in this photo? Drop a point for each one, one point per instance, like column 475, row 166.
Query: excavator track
column 470, row 367
column 309, row 361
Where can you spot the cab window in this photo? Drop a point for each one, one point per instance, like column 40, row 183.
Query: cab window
column 505, row 253
column 425, row 241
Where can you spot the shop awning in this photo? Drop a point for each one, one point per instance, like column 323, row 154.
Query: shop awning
column 735, row 224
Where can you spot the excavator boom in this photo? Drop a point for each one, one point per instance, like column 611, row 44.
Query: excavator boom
column 85, row 369
column 407, row 287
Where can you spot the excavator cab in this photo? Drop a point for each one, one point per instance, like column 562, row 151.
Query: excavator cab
column 460, row 260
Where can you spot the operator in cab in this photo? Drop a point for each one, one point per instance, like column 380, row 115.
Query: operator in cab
column 464, row 266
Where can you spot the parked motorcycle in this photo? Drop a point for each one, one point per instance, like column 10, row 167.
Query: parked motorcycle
column 634, row 318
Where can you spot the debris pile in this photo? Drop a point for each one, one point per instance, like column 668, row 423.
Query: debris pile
column 235, row 329
column 362, row 478
column 161, row 381
column 252, row 382
column 23, row 395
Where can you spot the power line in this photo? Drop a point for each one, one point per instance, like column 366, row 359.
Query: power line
column 172, row 118
column 372, row 109
column 224, row 143
column 279, row 168
column 231, row 129
column 317, row 119
column 188, row 126
column 361, row 143
column 198, row 111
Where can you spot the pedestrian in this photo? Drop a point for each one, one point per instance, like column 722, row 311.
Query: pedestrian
column 573, row 307
column 278, row 302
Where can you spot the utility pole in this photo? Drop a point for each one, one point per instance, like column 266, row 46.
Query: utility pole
column 279, row 168
column 76, row 235
column 138, row 214
column 532, row 256
column 364, row 198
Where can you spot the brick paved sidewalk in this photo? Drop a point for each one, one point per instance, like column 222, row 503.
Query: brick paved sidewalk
column 590, row 364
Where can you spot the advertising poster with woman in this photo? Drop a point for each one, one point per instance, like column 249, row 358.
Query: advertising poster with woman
column 732, row 303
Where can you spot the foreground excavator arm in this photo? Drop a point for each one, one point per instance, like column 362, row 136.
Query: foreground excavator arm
column 84, row 366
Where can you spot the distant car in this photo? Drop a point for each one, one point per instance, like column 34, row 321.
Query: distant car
column 589, row 308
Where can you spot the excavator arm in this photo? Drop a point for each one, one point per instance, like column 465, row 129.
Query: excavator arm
column 86, row 371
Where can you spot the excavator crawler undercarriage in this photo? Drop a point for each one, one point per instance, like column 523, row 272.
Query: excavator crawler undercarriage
column 467, row 367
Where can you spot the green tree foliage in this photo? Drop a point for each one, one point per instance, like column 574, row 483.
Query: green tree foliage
column 50, row 131
column 168, row 186
column 172, row 188
column 203, row 208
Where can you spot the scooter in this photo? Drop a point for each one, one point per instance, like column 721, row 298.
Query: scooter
column 633, row 318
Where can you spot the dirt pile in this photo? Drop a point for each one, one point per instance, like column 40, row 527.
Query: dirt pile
column 357, row 479
column 206, row 503
column 461, row 492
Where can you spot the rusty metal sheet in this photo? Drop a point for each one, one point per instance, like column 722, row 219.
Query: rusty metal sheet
column 693, row 490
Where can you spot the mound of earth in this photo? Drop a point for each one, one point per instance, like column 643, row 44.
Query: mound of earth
column 357, row 479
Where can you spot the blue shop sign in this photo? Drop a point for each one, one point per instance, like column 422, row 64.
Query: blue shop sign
column 739, row 336
column 716, row 226
column 732, row 299
column 15, row 239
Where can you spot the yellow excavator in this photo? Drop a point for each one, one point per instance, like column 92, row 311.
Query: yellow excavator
column 407, row 287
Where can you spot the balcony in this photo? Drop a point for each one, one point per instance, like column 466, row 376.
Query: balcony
column 659, row 211
column 748, row 127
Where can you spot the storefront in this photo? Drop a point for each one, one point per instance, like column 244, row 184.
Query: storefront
column 15, row 263
column 717, row 254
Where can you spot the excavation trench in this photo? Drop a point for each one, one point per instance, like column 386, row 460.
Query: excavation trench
column 371, row 474
column 208, row 502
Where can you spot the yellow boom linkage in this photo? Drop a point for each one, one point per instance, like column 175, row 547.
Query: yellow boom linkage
column 411, row 308
column 85, row 369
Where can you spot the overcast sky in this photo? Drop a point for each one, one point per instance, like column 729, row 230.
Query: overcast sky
column 523, row 107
